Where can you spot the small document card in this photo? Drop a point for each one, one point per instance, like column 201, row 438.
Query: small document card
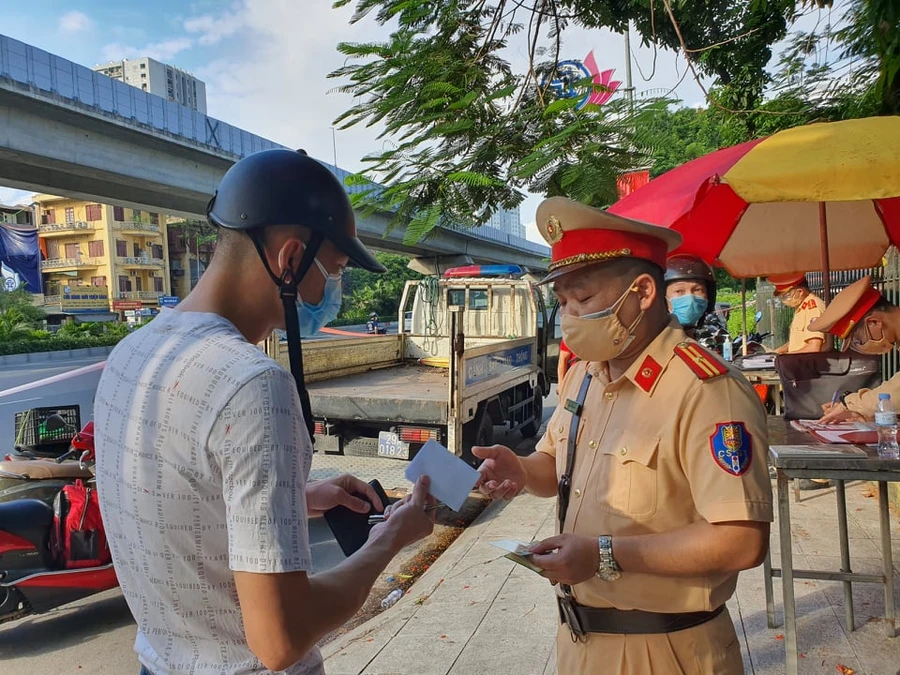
column 517, row 552
column 451, row 478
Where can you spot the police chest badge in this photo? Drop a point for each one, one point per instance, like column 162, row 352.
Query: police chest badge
column 732, row 447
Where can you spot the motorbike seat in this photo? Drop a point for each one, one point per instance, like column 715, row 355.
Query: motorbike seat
column 30, row 519
column 43, row 469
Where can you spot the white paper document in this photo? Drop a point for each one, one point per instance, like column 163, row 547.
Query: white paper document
column 451, row 478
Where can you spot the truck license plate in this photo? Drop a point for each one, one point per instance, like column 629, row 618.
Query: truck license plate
column 390, row 445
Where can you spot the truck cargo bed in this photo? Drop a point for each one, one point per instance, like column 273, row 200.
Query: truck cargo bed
column 421, row 392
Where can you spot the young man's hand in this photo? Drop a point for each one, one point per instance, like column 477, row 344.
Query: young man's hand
column 323, row 495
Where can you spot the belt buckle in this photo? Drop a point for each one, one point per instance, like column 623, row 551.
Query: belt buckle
column 570, row 617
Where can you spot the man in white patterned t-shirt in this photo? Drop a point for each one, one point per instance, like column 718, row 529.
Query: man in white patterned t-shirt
column 203, row 450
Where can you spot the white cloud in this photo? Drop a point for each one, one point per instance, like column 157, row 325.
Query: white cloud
column 161, row 51
column 273, row 80
column 75, row 22
column 15, row 197
column 214, row 29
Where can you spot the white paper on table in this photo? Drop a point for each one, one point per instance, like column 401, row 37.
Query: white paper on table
column 451, row 478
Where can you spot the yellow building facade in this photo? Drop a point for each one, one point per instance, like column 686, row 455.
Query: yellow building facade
column 91, row 244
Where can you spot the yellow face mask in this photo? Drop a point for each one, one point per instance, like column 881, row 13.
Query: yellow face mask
column 600, row 336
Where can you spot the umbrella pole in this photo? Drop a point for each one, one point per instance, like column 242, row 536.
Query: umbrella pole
column 826, row 267
column 744, row 313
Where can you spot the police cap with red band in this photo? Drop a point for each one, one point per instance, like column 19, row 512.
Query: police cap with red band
column 785, row 282
column 848, row 308
column 580, row 235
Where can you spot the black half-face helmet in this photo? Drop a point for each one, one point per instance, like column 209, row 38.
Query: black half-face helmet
column 683, row 267
column 287, row 187
column 284, row 187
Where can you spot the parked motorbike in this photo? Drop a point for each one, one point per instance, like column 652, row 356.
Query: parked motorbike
column 24, row 477
column 34, row 576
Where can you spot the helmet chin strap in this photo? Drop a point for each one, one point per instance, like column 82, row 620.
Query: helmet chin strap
column 287, row 286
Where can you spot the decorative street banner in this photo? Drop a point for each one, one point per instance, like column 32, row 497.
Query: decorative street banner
column 20, row 258
column 629, row 182
column 568, row 81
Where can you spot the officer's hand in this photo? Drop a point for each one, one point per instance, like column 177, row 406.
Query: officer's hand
column 567, row 558
column 839, row 413
column 323, row 495
column 502, row 473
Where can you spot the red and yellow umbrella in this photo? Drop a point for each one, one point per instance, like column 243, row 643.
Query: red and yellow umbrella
column 818, row 197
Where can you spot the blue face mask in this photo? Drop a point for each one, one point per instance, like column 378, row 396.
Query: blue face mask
column 689, row 309
column 313, row 317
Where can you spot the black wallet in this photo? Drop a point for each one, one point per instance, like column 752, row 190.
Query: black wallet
column 351, row 529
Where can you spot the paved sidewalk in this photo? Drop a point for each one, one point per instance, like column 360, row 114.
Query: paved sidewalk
column 475, row 612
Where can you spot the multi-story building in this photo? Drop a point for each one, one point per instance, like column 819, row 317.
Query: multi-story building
column 20, row 215
column 508, row 221
column 189, row 255
column 159, row 79
column 89, row 244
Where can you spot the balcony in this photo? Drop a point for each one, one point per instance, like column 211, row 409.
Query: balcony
column 140, row 229
column 64, row 264
column 65, row 229
column 143, row 296
column 141, row 263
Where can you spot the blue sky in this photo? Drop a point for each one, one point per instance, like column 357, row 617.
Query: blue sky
column 265, row 62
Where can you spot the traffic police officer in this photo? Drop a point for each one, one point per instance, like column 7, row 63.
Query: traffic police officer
column 868, row 324
column 794, row 292
column 656, row 454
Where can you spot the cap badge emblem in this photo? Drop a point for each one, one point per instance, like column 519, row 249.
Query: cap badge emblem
column 554, row 230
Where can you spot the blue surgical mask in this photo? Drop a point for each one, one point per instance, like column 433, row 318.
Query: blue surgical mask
column 689, row 309
column 313, row 317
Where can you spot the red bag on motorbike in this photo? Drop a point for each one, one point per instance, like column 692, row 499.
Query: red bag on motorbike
column 79, row 539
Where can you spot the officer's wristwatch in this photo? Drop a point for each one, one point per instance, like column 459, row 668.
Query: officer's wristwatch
column 607, row 570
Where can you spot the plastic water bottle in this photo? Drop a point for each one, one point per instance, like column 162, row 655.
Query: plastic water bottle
column 391, row 598
column 886, row 422
column 727, row 350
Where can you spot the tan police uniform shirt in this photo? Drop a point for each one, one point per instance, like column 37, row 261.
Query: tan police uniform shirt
column 865, row 401
column 659, row 449
column 809, row 310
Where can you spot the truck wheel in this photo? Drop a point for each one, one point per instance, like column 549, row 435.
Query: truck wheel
column 531, row 429
column 480, row 431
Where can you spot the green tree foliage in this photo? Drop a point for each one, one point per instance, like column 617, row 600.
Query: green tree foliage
column 22, row 302
column 366, row 292
column 464, row 133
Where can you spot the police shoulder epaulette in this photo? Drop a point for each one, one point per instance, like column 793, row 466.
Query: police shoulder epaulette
column 703, row 364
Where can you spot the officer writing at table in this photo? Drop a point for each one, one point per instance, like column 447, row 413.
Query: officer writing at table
column 866, row 323
column 657, row 457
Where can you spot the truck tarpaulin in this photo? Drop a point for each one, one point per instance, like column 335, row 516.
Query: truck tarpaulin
column 20, row 258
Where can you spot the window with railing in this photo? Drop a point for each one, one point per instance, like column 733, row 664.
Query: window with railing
column 93, row 212
column 158, row 284
column 70, row 215
column 49, row 217
column 154, row 218
column 124, row 284
column 156, row 251
column 121, row 248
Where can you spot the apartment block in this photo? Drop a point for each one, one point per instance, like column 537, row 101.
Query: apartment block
column 85, row 244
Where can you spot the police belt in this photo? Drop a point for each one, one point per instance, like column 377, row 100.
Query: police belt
column 582, row 620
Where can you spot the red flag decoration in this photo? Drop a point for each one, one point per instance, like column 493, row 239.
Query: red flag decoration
column 629, row 182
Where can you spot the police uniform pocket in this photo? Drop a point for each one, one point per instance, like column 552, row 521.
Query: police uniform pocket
column 626, row 483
